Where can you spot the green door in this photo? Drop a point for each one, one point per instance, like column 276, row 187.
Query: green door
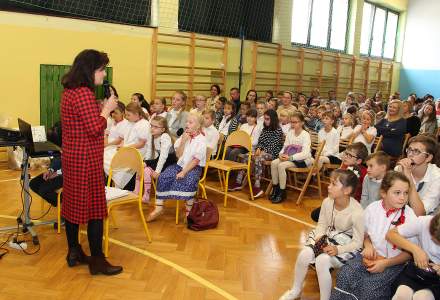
column 51, row 90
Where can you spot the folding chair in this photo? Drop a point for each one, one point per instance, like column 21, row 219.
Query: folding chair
column 127, row 158
column 237, row 138
column 313, row 169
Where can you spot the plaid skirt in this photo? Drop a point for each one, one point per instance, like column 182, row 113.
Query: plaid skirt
column 168, row 187
column 355, row 282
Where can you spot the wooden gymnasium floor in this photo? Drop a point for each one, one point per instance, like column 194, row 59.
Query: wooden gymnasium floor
column 249, row 256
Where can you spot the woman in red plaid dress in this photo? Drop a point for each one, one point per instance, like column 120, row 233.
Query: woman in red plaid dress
column 83, row 128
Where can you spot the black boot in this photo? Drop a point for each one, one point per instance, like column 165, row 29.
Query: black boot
column 76, row 256
column 98, row 264
column 275, row 191
column 280, row 196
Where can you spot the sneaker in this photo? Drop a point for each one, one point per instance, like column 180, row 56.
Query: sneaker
column 258, row 192
column 235, row 187
column 289, row 295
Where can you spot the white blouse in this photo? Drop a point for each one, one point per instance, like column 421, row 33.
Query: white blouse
column 195, row 148
column 331, row 139
column 162, row 147
column 360, row 137
column 119, row 130
column 254, row 132
column 212, row 135
column 140, row 130
column 224, row 125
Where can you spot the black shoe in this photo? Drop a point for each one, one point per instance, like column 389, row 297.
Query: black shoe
column 98, row 264
column 76, row 256
column 275, row 191
column 280, row 197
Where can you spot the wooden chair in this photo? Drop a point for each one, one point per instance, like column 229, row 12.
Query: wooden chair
column 313, row 169
column 405, row 143
column 377, row 144
column 126, row 158
column 343, row 144
column 237, row 138
column 202, row 182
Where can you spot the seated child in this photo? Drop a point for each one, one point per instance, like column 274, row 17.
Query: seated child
column 211, row 133
column 336, row 239
column 261, row 109
column 163, row 155
column 346, row 129
column 296, row 152
column 159, row 108
column 218, row 106
column 284, row 116
column 180, row 181
column 120, row 127
column 420, row 280
column 377, row 165
column 370, row 275
column 200, row 105
column 254, row 131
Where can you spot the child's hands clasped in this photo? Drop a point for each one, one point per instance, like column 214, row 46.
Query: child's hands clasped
column 369, row 253
column 331, row 250
column 284, row 157
column 377, row 266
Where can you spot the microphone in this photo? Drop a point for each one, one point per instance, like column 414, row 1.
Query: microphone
column 106, row 87
column 179, row 131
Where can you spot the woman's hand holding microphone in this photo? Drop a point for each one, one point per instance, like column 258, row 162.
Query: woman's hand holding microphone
column 109, row 105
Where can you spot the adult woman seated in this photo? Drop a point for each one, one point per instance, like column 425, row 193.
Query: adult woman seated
column 393, row 129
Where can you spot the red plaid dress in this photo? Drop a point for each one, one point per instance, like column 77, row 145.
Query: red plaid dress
column 82, row 156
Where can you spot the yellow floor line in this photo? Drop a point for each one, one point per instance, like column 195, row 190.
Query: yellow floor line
column 164, row 261
column 251, row 203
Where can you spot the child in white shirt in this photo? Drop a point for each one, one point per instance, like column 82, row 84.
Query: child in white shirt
column 200, row 105
column 371, row 274
column 119, row 128
column 180, row 181
column 261, row 109
column 365, row 132
column 336, row 239
column 420, row 279
column 328, row 133
column 211, row 133
column 284, row 116
column 163, row 155
column 346, row 129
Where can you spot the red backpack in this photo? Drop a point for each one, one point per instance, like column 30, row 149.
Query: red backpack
column 203, row 215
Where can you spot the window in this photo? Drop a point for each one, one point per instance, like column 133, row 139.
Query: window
column 379, row 31
column 320, row 23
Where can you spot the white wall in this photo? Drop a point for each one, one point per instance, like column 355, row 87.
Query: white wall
column 422, row 38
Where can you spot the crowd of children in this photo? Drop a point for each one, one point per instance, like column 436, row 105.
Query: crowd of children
column 378, row 226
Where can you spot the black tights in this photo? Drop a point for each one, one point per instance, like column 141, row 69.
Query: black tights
column 94, row 235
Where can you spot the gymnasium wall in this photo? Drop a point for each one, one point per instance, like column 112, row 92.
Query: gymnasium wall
column 420, row 71
column 31, row 40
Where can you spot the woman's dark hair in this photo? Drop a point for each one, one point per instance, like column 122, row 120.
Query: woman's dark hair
column 114, row 90
column 347, row 178
column 432, row 117
column 142, row 101
column 274, row 122
column 217, row 87
column 82, row 72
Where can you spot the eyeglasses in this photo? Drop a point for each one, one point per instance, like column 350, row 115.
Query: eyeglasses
column 415, row 152
column 267, row 118
column 349, row 155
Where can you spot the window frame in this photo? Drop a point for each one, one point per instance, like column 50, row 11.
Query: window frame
column 329, row 31
column 387, row 10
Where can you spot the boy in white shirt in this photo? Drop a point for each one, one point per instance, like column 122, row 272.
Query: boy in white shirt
column 261, row 109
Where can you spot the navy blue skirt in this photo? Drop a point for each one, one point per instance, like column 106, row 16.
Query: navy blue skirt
column 168, row 187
